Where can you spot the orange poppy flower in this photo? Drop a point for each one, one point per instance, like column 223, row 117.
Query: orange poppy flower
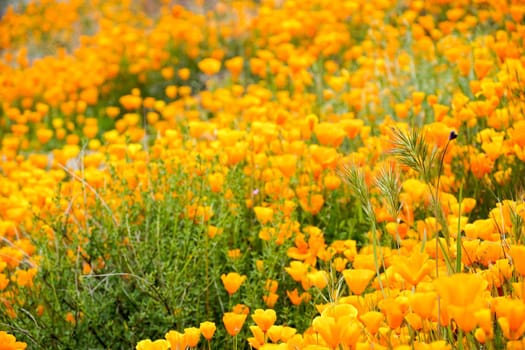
column 147, row 344
column 517, row 252
column 484, row 320
column 329, row 134
column 258, row 339
column 130, row 102
column 44, row 135
column 264, row 318
column 263, row 214
column 312, row 203
column 192, row 336
column 352, row 127
column 422, row 303
column 482, row 67
column 207, row 329
column 176, row 339
column 395, row 311
column 412, row 268
column 414, row 320
column 337, row 325
column 270, row 299
column 216, row 181
column 293, row 295
column 232, row 282
column 461, row 295
column 9, row 342
column 210, row 66
column 235, row 66
column 233, row 322
column 511, row 317
column 372, row 321
column 358, row 279
column 318, row 279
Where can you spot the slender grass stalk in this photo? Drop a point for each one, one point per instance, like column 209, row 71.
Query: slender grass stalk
column 459, row 243
column 389, row 184
column 355, row 177
column 207, row 274
column 437, row 204
column 411, row 150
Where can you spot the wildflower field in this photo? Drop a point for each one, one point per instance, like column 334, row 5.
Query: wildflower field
column 271, row 174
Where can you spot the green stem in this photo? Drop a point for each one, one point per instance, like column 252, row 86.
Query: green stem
column 437, row 204
column 376, row 260
column 459, row 250
column 460, row 340
column 207, row 269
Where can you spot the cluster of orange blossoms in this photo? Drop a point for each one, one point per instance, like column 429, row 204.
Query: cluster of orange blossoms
column 288, row 92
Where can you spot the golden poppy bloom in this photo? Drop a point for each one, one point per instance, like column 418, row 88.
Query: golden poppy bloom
column 358, row 279
column 130, row 102
column 270, row 299
column 461, row 295
column 372, row 321
column 258, row 338
column 422, row 303
column 207, row 329
column 184, row 73
column 294, row 296
column 264, row 318
column 214, row 231
column 511, row 317
column 340, row 263
column 233, row 322
column 147, row 344
column 395, row 310
column 235, row 66
column 210, row 66
column 216, row 181
column 44, row 135
column 312, row 203
column 9, row 342
column 414, row 320
column 176, row 339
column 329, row 134
column 337, row 325
column 263, row 214
column 517, row 252
column 318, row 279
column 192, row 335
column 232, row 282
column 413, row 268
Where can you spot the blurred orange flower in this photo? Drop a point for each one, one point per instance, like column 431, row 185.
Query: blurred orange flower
column 210, row 66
